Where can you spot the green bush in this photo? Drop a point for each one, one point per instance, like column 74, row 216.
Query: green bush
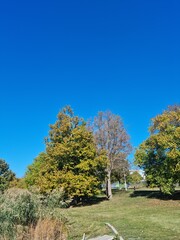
column 20, row 206
column 52, row 199
column 23, row 214
column 55, row 199
column 17, row 207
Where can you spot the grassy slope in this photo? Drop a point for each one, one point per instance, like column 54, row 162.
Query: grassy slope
column 134, row 218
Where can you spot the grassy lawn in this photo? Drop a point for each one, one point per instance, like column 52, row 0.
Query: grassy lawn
column 137, row 217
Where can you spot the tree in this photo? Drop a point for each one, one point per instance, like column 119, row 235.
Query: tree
column 111, row 136
column 159, row 155
column 135, row 177
column 18, row 183
column 6, row 175
column 43, row 174
column 121, row 173
column 71, row 161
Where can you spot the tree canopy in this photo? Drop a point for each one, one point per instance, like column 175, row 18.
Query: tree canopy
column 159, row 155
column 71, row 161
column 6, row 175
column 121, row 173
column 42, row 174
column 111, row 136
column 135, row 177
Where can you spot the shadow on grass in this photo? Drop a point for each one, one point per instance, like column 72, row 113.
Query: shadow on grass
column 89, row 201
column 155, row 194
column 96, row 199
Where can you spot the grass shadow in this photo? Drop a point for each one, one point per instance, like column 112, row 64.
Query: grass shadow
column 90, row 201
column 155, row 194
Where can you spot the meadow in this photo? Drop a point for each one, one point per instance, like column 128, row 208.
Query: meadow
column 136, row 215
column 143, row 215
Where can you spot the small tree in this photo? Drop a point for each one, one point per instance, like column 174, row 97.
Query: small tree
column 6, row 175
column 135, row 178
column 159, row 155
column 111, row 136
column 121, row 173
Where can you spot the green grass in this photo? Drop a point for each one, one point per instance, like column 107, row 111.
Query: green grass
column 136, row 217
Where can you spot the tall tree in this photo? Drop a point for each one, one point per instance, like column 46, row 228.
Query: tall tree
column 111, row 136
column 159, row 155
column 6, row 175
column 71, row 160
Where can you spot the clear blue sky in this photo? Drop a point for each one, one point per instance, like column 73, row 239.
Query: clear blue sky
column 121, row 55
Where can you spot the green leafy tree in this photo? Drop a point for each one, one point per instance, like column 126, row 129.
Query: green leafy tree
column 71, row 161
column 135, row 178
column 121, row 173
column 159, row 155
column 6, row 175
column 43, row 174
column 18, row 183
column 111, row 136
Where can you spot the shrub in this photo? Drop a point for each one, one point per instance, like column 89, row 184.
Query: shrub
column 52, row 199
column 23, row 216
column 55, row 199
column 18, row 207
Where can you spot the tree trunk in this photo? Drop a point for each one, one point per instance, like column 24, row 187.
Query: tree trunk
column 125, row 183
column 108, row 185
column 119, row 185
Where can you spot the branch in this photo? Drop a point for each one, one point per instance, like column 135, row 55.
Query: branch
column 114, row 231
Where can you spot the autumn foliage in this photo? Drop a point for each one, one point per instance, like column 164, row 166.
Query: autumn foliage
column 71, row 161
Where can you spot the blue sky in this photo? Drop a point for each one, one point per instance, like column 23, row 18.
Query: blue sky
column 119, row 55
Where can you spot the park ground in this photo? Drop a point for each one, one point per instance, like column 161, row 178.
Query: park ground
column 139, row 215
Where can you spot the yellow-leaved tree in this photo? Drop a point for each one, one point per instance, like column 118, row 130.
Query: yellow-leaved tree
column 72, row 160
